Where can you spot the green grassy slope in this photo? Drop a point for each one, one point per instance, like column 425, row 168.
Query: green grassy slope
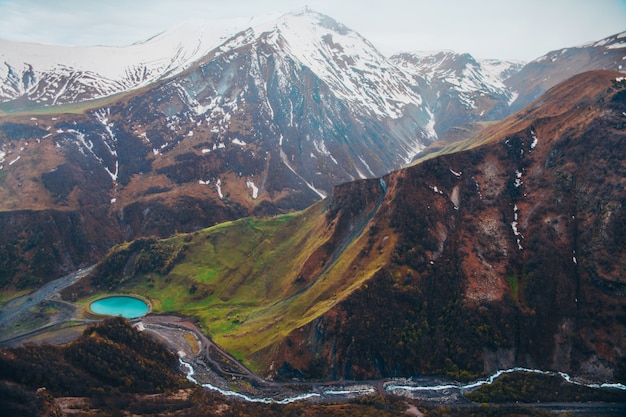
column 250, row 282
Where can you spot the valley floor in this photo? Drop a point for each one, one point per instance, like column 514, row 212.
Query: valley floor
column 42, row 317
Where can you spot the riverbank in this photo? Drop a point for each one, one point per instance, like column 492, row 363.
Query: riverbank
column 209, row 366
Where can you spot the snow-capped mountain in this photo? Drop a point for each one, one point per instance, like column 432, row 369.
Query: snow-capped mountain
column 353, row 69
column 304, row 87
column 459, row 88
column 266, row 120
column 49, row 75
column 269, row 120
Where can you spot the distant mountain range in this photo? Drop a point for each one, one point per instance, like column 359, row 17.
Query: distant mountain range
column 35, row 75
column 195, row 127
column 42, row 75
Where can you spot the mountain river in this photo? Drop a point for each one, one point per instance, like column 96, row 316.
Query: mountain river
column 424, row 387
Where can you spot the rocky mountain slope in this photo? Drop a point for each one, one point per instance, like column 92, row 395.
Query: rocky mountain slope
column 266, row 122
column 460, row 89
column 509, row 253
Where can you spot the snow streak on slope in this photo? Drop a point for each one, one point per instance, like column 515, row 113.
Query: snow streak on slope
column 447, row 70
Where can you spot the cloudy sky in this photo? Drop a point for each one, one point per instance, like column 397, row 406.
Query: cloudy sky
column 522, row 29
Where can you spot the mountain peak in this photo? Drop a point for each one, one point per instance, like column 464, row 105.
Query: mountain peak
column 307, row 11
column 302, row 20
column 347, row 62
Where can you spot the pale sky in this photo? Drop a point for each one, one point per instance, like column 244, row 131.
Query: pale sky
column 522, row 29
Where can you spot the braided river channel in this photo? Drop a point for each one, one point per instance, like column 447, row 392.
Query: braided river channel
column 427, row 388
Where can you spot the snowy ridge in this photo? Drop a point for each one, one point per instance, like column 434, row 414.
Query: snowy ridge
column 359, row 74
column 352, row 68
column 461, row 73
column 60, row 74
column 617, row 41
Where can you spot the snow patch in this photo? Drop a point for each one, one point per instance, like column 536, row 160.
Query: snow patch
column 535, row 140
column 255, row 189
column 617, row 45
column 117, row 170
column 367, row 166
column 320, row 147
column 218, row 186
column 518, row 180
column 435, row 189
column 516, row 232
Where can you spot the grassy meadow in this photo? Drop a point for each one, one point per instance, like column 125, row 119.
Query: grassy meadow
column 243, row 280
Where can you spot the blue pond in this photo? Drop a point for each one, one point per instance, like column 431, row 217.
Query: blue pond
column 129, row 307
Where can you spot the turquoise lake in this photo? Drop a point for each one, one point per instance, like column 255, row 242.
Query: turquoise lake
column 129, row 307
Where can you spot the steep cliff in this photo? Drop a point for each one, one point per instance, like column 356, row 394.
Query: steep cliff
column 511, row 253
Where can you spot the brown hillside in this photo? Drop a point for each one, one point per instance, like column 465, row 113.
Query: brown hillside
column 511, row 253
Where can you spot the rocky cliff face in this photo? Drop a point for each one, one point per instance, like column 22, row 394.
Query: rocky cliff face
column 508, row 254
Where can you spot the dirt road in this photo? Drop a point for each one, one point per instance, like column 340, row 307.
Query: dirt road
column 31, row 313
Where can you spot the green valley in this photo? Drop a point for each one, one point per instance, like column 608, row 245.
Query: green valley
column 249, row 282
